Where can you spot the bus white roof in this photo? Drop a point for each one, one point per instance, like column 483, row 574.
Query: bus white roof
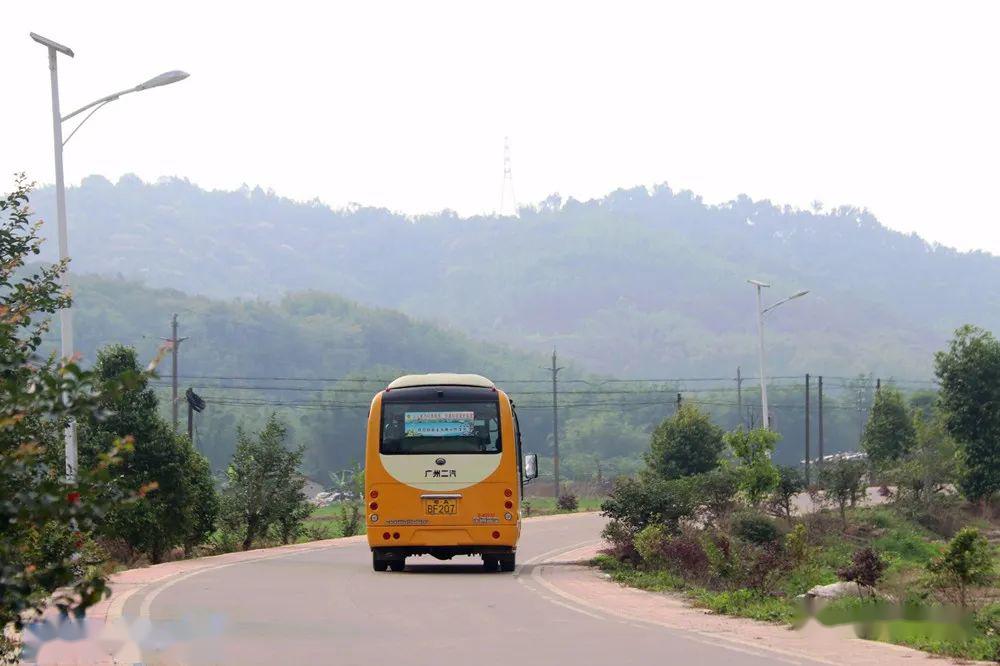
column 441, row 379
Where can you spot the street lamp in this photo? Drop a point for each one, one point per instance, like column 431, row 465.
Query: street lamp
column 760, row 341
column 66, row 315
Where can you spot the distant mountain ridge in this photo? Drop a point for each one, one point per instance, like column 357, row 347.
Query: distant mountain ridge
column 639, row 283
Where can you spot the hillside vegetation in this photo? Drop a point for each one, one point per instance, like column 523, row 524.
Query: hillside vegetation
column 639, row 283
column 317, row 359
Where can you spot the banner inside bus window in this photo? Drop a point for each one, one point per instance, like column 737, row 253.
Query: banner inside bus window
column 439, row 424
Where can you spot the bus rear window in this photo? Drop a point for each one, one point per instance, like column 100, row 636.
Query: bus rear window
column 440, row 427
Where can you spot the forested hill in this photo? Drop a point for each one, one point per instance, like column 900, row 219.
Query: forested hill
column 639, row 283
column 315, row 358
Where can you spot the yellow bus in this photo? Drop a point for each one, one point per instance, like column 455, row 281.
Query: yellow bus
column 444, row 471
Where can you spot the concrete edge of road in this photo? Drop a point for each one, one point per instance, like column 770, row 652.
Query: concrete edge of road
column 125, row 584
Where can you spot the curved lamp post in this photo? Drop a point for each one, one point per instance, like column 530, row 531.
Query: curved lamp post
column 761, row 310
column 66, row 315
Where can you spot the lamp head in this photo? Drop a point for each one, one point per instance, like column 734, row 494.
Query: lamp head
column 163, row 79
column 758, row 283
column 44, row 41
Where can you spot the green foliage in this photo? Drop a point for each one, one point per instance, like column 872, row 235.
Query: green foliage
column 797, row 544
column 352, row 507
column 843, row 484
column 930, row 464
column 181, row 506
column 649, row 542
column 687, row 443
column 969, row 374
column 791, row 482
column 752, row 450
column 715, row 492
column 46, row 554
column 967, row 562
column 756, row 529
column 637, row 504
column 264, row 487
column 889, row 434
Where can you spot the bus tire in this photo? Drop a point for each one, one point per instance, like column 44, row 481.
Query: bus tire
column 507, row 562
column 489, row 563
column 378, row 564
column 397, row 565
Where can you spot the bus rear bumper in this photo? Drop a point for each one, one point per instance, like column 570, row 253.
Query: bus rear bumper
column 439, row 552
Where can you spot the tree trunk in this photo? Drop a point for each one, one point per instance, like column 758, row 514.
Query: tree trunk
column 251, row 533
column 843, row 514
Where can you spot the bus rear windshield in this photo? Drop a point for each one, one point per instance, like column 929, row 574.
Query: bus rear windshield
column 440, row 427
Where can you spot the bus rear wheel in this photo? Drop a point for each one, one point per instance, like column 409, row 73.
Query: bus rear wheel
column 397, row 565
column 507, row 562
column 489, row 563
column 378, row 564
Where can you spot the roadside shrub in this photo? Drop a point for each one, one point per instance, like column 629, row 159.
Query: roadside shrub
column 764, row 566
column 715, row 492
column 966, row 563
column 738, row 565
column 756, row 529
column 790, row 483
column 797, row 544
column 686, row 555
column 649, row 543
column 567, row 502
column 638, row 504
column 621, row 542
column 866, row 569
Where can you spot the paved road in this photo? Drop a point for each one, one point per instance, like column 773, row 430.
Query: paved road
column 327, row 606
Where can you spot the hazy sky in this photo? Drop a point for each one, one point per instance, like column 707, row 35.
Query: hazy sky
column 893, row 106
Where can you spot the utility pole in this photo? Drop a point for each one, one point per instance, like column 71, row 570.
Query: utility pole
column 807, row 428
column 820, row 414
column 555, row 422
column 678, row 402
column 175, row 344
column 739, row 395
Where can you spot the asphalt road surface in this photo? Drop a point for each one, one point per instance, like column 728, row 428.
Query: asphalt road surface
column 327, row 606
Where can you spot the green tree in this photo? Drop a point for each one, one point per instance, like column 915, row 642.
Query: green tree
column 967, row 562
column 45, row 520
column 685, row 444
column 930, row 465
column 889, row 433
column 790, row 483
column 969, row 374
column 203, row 504
column 752, row 450
column 259, row 477
column 292, row 506
column 180, row 508
column 842, row 483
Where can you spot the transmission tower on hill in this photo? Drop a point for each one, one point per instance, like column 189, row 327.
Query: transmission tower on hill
column 508, row 202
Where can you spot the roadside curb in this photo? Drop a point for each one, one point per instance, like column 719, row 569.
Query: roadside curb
column 567, row 575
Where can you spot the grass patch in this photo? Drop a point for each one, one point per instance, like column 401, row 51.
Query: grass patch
column 546, row 506
column 740, row 603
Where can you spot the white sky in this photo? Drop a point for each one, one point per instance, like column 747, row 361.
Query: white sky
column 892, row 106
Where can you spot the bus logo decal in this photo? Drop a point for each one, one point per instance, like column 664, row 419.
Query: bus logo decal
column 440, row 473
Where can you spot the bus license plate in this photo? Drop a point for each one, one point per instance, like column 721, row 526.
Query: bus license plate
column 441, row 507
